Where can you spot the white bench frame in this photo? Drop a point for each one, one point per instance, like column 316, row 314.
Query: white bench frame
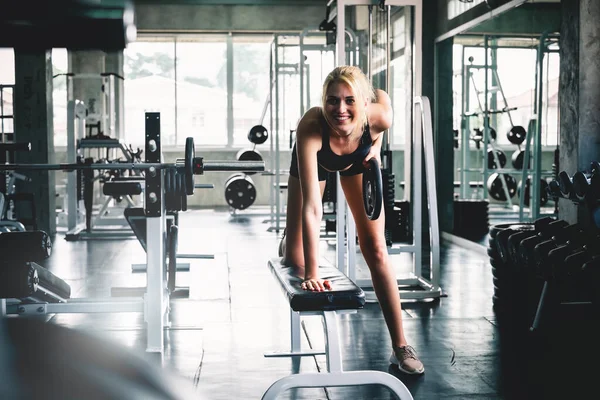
column 335, row 375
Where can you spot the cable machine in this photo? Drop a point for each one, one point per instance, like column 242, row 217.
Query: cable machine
column 417, row 286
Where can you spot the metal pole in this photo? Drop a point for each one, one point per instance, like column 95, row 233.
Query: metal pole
column 272, row 189
column 277, row 166
column 301, row 72
column 388, row 79
column 369, row 55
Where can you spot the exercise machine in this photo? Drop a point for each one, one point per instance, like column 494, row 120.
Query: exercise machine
column 155, row 302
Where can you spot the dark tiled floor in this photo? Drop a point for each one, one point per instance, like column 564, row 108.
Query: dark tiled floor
column 236, row 313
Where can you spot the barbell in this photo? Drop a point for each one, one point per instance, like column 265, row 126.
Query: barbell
column 190, row 165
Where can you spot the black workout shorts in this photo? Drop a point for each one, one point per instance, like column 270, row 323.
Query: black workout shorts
column 355, row 169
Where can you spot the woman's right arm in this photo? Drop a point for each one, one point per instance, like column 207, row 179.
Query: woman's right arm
column 308, row 143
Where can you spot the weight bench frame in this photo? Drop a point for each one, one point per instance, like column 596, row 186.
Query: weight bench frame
column 335, row 375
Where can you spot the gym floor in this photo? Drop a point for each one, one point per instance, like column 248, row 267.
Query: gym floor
column 236, row 312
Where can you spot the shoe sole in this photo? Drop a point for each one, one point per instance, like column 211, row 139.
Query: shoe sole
column 394, row 360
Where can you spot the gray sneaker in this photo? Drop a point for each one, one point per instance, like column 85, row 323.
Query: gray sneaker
column 406, row 359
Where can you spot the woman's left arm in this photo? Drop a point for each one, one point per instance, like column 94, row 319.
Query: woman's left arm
column 380, row 115
column 380, row 112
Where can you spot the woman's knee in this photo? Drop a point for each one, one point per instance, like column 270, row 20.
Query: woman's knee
column 375, row 253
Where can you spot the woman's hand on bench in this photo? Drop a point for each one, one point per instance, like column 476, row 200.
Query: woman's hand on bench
column 316, row 285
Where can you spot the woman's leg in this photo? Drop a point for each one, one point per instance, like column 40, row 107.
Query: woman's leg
column 374, row 249
column 291, row 243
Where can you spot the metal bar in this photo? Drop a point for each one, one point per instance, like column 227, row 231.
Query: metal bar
column 197, row 256
column 482, row 18
column 278, row 106
column 388, row 72
column 295, row 330
column 234, row 166
column 207, row 166
column 464, row 127
column 155, row 298
column 301, row 71
column 71, row 158
column 230, row 90
column 434, row 235
column 333, row 347
column 369, row 46
column 73, row 167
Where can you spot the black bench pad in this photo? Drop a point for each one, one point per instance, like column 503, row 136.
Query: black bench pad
column 345, row 295
column 122, row 188
column 22, row 279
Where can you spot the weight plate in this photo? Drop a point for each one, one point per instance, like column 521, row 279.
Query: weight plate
column 372, row 190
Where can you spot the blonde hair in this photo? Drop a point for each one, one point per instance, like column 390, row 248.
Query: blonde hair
column 358, row 82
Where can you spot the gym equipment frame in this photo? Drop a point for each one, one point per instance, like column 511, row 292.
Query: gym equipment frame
column 416, row 286
column 155, row 302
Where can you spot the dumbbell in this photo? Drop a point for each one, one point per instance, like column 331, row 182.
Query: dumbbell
column 577, row 262
column 503, row 235
column 541, row 252
column 514, row 240
column 565, row 184
column 578, row 242
column 591, row 268
column 554, row 189
column 527, row 245
column 586, row 187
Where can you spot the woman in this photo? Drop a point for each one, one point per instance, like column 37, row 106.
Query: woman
column 343, row 135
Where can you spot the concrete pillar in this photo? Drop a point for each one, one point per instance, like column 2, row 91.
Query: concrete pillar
column 87, row 67
column 579, row 94
column 443, row 134
column 34, row 123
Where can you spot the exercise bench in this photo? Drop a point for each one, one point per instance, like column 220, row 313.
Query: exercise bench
column 345, row 298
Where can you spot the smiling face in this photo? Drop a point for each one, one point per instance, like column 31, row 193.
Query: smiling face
column 346, row 93
column 342, row 108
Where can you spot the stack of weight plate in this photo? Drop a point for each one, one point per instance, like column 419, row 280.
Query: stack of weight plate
column 388, row 181
column 500, row 273
column 400, row 226
column 509, row 278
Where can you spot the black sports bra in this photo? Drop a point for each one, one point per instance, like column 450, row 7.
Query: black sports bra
column 335, row 162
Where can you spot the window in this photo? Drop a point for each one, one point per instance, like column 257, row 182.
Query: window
column 457, row 7
column 7, row 81
column 185, row 78
column 59, row 94
column 401, row 78
column 251, row 88
column 201, row 88
column 149, row 69
column 511, row 89
column 60, row 66
column 7, row 66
